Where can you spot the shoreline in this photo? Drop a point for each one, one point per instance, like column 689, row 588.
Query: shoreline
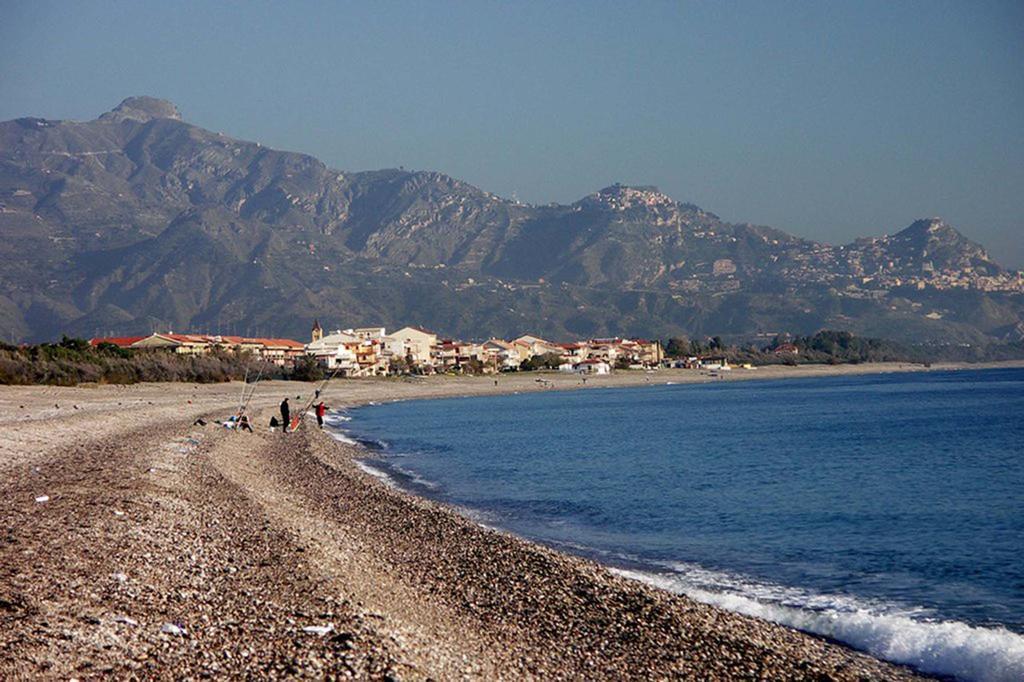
column 474, row 537
column 280, row 533
column 372, row 461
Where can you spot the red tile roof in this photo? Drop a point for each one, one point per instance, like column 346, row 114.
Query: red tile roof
column 283, row 342
column 125, row 341
column 122, row 341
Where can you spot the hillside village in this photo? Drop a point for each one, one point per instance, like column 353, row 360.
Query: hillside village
column 371, row 351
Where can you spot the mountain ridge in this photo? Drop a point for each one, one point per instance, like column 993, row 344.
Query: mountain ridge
column 87, row 204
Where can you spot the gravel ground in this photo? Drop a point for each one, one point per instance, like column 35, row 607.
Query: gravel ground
column 170, row 551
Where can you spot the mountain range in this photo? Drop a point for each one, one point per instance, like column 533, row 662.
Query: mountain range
column 139, row 221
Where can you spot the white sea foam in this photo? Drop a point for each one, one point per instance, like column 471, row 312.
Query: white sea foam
column 479, row 517
column 942, row 648
column 377, row 473
column 416, row 478
column 342, row 437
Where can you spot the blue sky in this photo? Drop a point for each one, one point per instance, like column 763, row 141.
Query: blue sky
column 830, row 120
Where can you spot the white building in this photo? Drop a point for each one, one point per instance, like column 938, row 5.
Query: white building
column 334, row 350
column 417, row 344
column 367, row 332
column 502, row 354
column 593, row 366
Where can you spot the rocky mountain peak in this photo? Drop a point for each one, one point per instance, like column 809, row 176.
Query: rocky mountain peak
column 928, row 230
column 142, row 109
column 620, row 197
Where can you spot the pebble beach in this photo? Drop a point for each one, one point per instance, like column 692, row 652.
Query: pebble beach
column 135, row 544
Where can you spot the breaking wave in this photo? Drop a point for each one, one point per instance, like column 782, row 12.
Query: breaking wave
column 377, row 473
column 948, row 648
column 392, row 474
column 413, row 477
column 341, row 437
column 335, row 428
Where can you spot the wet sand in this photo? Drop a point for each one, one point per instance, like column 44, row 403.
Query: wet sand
column 166, row 550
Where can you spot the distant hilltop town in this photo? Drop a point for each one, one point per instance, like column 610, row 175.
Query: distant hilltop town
column 371, row 351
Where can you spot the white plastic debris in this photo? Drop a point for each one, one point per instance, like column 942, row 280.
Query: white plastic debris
column 43, row 498
column 172, row 629
column 120, row 577
column 319, row 630
column 118, row 512
column 126, row 620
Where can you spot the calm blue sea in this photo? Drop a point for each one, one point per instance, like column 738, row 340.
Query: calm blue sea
column 885, row 511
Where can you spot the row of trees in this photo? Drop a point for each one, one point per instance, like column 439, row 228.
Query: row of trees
column 73, row 361
column 681, row 347
column 834, row 347
column 827, row 346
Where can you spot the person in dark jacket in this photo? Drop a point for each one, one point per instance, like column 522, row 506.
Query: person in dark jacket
column 285, row 413
column 321, row 410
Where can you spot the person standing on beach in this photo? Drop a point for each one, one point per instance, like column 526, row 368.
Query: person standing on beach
column 321, row 410
column 285, row 413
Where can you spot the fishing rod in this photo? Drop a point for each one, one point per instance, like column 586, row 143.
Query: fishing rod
column 255, row 385
column 297, row 420
column 245, row 382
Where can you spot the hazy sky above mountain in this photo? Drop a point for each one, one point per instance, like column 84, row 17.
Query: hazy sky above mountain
column 828, row 120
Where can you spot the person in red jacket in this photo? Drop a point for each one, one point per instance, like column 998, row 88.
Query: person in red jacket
column 321, row 410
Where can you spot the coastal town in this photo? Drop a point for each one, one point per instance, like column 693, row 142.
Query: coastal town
column 372, row 351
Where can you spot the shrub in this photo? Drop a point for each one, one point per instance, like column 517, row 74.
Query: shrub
column 73, row 361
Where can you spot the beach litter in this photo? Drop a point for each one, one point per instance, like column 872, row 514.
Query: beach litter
column 318, row 630
column 43, row 498
column 172, row 629
column 126, row 620
column 118, row 512
column 120, row 577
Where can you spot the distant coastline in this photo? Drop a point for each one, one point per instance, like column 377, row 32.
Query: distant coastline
column 452, row 387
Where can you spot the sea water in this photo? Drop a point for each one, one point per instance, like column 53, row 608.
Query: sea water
column 884, row 511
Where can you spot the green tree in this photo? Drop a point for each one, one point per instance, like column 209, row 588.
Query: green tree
column 75, row 344
column 399, row 366
column 307, row 369
column 678, row 346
